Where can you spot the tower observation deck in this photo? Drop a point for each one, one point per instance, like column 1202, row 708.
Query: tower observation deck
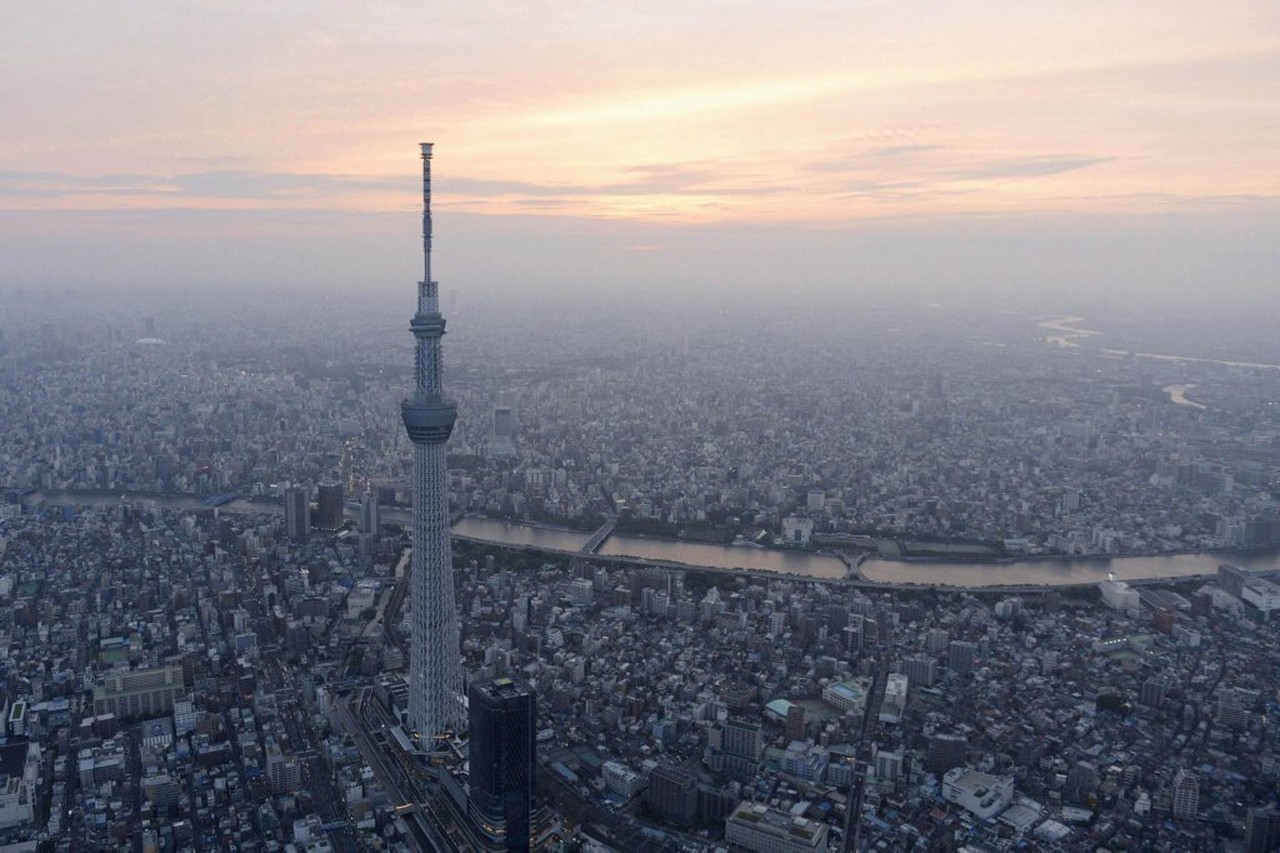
column 435, row 675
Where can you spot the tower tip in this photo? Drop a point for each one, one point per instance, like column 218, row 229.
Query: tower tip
column 426, row 149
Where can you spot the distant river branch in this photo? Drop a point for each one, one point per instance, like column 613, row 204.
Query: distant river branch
column 1066, row 334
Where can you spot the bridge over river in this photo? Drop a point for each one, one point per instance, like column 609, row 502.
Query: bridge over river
column 605, row 542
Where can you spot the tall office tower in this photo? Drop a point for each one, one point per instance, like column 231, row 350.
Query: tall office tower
column 329, row 512
column 435, row 675
column 503, row 715
column 502, row 440
column 945, row 751
column 370, row 514
column 297, row 513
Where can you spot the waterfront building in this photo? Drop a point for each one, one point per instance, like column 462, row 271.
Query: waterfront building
column 1118, row 595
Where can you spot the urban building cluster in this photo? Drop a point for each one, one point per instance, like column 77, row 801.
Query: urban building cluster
column 916, row 430
column 171, row 677
column 722, row 707
column 193, row 679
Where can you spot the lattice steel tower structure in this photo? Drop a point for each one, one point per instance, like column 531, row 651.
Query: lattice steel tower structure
column 435, row 674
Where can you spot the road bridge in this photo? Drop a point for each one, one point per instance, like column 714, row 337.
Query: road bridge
column 597, row 539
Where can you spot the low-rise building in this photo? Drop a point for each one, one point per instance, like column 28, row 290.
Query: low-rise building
column 982, row 794
column 754, row 826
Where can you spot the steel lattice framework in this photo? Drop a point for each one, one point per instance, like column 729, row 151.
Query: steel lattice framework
column 435, row 674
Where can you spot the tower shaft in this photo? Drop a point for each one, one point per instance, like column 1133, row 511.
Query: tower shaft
column 435, row 674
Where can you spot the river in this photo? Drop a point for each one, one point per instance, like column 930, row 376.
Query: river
column 1060, row 572
column 1039, row 572
column 1068, row 335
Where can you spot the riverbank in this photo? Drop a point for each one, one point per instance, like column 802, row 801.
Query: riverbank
column 1019, row 572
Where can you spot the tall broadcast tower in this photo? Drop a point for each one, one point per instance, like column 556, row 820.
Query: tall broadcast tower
column 435, row 676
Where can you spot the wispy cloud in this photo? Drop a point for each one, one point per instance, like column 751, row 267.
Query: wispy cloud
column 1026, row 167
column 222, row 184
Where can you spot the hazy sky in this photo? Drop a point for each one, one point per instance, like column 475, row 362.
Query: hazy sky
column 1030, row 147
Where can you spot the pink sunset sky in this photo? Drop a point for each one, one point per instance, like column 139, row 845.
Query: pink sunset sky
column 694, row 139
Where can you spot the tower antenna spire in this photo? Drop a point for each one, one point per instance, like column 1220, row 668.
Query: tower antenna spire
column 426, row 213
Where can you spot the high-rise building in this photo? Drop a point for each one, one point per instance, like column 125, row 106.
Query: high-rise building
column 743, row 739
column 1154, row 689
column 282, row 771
column 888, row 766
column 370, row 513
column 502, row 714
column 1262, row 829
column 936, row 640
column 329, row 511
column 435, row 674
column 1186, row 795
column 1231, row 578
column 961, row 655
column 504, row 423
column 672, row 794
column 795, row 722
column 1233, row 707
column 921, row 670
column 946, row 751
column 297, row 513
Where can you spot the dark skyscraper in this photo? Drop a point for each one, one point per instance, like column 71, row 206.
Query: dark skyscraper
column 297, row 513
column 502, row 715
column 329, row 510
column 504, row 423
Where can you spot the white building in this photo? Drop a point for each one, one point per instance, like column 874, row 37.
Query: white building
column 888, row 765
column 848, row 695
column 1118, row 595
column 805, row 761
column 1186, row 795
column 19, row 767
column 1261, row 593
column 895, row 698
column 981, row 794
column 621, row 779
column 797, row 530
